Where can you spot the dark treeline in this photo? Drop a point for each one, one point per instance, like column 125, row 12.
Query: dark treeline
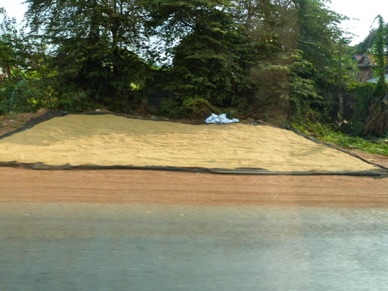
column 274, row 60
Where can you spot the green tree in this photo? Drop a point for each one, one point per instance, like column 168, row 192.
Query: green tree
column 370, row 40
column 8, row 36
column 377, row 122
column 95, row 47
column 271, row 30
column 254, row 55
column 325, row 48
column 32, row 81
column 208, row 58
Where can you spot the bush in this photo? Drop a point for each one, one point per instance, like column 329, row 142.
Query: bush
column 190, row 107
column 197, row 107
column 357, row 108
column 170, row 107
column 27, row 95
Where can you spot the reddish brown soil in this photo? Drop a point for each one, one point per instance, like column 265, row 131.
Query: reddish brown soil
column 376, row 159
column 19, row 185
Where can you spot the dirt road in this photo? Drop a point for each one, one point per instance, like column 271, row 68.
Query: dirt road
column 177, row 188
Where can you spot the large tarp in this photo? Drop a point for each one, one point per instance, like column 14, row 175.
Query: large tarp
column 71, row 141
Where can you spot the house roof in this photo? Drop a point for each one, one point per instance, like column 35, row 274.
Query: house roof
column 374, row 80
column 363, row 60
column 357, row 57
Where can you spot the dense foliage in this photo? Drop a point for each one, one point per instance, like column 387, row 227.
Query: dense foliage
column 377, row 122
column 275, row 59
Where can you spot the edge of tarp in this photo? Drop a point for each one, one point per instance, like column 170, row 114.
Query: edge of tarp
column 378, row 173
column 337, row 148
column 34, row 121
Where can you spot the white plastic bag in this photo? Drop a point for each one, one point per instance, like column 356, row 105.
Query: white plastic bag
column 220, row 119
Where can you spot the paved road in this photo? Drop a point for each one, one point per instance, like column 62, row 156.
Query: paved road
column 145, row 247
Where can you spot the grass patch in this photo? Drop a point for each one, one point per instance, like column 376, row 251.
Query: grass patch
column 329, row 135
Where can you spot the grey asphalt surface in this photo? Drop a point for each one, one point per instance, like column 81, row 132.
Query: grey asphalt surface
column 144, row 247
